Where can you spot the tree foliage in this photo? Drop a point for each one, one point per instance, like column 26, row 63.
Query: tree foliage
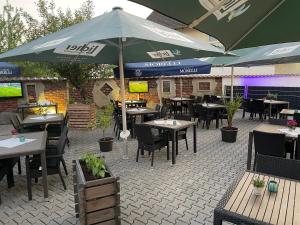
column 17, row 27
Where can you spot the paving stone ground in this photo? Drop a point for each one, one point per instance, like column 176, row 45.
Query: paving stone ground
column 185, row 193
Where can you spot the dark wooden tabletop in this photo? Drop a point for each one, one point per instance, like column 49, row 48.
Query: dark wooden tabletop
column 34, row 147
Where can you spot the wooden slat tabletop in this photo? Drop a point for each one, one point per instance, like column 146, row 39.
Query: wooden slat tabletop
column 281, row 208
column 289, row 112
column 269, row 128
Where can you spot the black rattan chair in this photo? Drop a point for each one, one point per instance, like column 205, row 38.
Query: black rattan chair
column 149, row 142
column 182, row 134
column 55, row 130
column 297, row 118
column 272, row 144
column 53, row 160
column 276, row 166
column 257, row 107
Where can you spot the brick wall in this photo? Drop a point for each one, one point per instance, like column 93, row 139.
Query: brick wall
column 8, row 105
column 54, row 91
column 57, row 92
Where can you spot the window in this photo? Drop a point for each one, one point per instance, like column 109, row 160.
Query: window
column 31, row 93
column 204, row 86
column 166, row 86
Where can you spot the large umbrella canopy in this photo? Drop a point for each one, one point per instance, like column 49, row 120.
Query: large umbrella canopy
column 236, row 23
column 9, row 70
column 165, row 68
column 113, row 38
column 97, row 41
column 270, row 54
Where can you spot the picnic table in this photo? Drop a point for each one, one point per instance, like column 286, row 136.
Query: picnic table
column 240, row 206
column 173, row 129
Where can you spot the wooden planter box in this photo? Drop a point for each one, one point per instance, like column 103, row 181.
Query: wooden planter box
column 82, row 116
column 97, row 201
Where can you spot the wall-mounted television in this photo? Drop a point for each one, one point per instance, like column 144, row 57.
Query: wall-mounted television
column 11, row 90
column 138, row 87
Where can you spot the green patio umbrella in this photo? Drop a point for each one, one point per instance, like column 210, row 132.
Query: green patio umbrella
column 236, row 23
column 112, row 38
column 270, row 54
column 224, row 61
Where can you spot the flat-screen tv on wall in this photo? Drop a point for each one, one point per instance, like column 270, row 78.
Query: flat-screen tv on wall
column 11, row 90
column 138, row 87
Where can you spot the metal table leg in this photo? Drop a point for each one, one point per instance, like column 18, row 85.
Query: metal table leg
column 173, row 147
column 195, row 137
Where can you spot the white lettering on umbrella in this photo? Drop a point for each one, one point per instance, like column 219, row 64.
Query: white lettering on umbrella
column 231, row 6
column 161, row 54
column 167, row 34
column 51, row 43
column 188, row 70
column 6, row 72
column 162, row 64
column 90, row 49
column 283, row 50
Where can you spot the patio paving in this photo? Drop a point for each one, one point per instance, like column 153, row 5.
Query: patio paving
column 185, row 193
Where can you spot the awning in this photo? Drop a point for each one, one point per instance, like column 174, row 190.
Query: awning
column 165, row 68
column 9, row 70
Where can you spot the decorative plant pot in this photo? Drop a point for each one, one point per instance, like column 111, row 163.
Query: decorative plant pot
column 258, row 190
column 97, row 201
column 229, row 134
column 106, row 144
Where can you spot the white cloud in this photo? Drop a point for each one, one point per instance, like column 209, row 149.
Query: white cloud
column 101, row 6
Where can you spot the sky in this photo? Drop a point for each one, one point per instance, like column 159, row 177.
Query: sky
column 101, row 6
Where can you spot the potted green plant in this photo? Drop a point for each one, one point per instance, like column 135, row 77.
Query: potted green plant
column 103, row 121
column 229, row 133
column 96, row 191
column 258, row 185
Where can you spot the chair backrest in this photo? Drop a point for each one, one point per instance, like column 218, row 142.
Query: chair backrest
column 207, row 98
column 157, row 107
column 15, row 123
column 200, row 110
column 163, row 111
column 297, row 152
column 198, row 99
column 278, row 121
column 297, row 118
column 19, row 118
column 183, row 117
column 258, row 106
column 144, row 134
column 288, row 168
column 269, row 143
column 62, row 141
column 66, row 118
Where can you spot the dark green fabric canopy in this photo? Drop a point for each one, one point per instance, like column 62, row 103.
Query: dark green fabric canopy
column 236, row 23
column 98, row 41
column 270, row 54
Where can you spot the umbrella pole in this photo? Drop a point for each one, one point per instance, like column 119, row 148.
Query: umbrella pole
column 231, row 82
column 124, row 134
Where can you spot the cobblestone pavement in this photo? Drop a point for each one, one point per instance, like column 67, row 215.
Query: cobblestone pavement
column 185, row 193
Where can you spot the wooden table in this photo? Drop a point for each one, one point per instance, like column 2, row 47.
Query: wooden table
column 35, row 105
column 275, row 102
column 214, row 108
column 42, row 120
column 173, row 129
column 240, row 206
column 134, row 103
column 284, row 113
column 133, row 112
column 36, row 147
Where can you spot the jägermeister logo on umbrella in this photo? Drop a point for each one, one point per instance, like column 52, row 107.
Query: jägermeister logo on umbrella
column 232, row 8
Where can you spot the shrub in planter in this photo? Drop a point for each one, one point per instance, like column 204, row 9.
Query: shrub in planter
column 103, row 121
column 258, row 185
column 229, row 133
column 96, row 192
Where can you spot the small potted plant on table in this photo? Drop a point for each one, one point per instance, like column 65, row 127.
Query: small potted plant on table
column 292, row 124
column 96, row 192
column 258, row 185
column 229, row 133
column 103, row 121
